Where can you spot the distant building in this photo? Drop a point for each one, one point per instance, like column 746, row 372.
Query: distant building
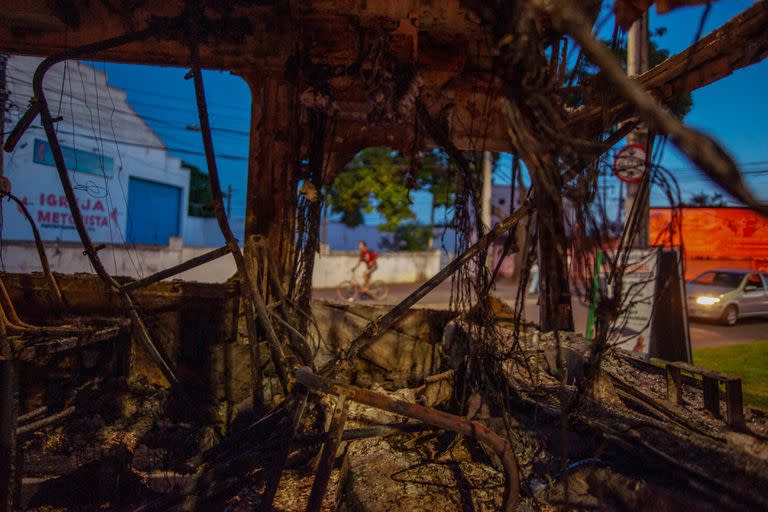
column 128, row 186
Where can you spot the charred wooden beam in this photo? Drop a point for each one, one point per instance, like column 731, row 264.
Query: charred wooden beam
column 271, row 200
column 739, row 43
column 43, row 346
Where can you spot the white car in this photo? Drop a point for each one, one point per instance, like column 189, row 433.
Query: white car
column 728, row 295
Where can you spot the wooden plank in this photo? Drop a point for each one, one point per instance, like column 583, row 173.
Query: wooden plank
column 704, row 372
column 734, row 405
column 674, row 384
column 712, row 396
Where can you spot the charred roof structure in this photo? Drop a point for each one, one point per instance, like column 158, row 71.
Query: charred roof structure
column 329, row 78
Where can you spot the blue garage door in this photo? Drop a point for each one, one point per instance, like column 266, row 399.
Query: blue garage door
column 153, row 212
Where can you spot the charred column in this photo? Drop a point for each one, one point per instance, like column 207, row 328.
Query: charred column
column 555, row 311
column 8, row 412
column 272, row 198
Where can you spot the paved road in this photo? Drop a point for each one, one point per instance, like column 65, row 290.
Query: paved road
column 703, row 334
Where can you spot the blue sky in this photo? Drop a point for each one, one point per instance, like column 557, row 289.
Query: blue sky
column 733, row 110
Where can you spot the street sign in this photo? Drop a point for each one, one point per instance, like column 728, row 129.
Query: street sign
column 629, row 163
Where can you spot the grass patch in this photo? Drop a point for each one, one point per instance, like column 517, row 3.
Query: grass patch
column 748, row 361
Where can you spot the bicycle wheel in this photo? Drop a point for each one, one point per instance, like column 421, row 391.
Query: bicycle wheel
column 378, row 290
column 347, row 291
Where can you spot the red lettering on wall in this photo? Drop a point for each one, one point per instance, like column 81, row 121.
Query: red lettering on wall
column 43, row 216
column 98, row 206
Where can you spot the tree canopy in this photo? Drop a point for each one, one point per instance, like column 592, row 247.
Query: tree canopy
column 200, row 198
column 376, row 180
column 715, row 200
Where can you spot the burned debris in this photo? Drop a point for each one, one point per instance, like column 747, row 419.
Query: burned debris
column 150, row 394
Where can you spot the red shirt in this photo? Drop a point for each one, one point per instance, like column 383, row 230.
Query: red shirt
column 369, row 257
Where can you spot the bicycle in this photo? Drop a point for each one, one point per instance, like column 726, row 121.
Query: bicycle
column 351, row 290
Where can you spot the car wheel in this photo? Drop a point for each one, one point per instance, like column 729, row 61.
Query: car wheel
column 731, row 315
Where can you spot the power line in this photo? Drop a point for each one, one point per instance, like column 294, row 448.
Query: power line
column 143, row 116
column 146, row 92
column 147, row 146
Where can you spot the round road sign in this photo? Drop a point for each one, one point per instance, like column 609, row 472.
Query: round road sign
column 629, row 163
column 5, row 185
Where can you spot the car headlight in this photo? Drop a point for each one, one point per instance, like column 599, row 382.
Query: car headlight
column 707, row 301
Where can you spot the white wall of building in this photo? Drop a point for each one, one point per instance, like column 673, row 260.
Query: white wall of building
column 99, row 123
column 136, row 262
column 394, row 267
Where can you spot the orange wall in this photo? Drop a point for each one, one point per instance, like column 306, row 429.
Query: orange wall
column 717, row 233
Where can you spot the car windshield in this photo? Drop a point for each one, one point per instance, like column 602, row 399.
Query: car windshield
column 724, row 279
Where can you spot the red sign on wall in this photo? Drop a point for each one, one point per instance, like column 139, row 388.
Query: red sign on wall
column 728, row 233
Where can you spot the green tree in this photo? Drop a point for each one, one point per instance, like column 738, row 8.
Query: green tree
column 408, row 237
column 714, row 200
column 200, row 198
column 376, row 181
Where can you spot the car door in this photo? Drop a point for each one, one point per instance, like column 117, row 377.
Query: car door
column 753, row 295
column 763, row 305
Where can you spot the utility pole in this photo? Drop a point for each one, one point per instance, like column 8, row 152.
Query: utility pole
column 485, row 200
column 637, row 63
column 324, row 232
column 620, row 209
column 229, row 201
column 3, row 102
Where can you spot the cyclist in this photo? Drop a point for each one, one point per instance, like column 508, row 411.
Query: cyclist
column 368, row 257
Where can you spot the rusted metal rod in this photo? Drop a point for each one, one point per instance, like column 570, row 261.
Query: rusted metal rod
column 177, row 269
column 149, row 344
column 381, row 324
column 249, row 283
column 36, row 425
column 299, row 343
column 58, row 299
column 328, row 456
column 40, row 104
column 354, row 434
column 278, row 465
column 430, row 416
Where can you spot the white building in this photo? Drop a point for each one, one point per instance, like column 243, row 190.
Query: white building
column 129, row 189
